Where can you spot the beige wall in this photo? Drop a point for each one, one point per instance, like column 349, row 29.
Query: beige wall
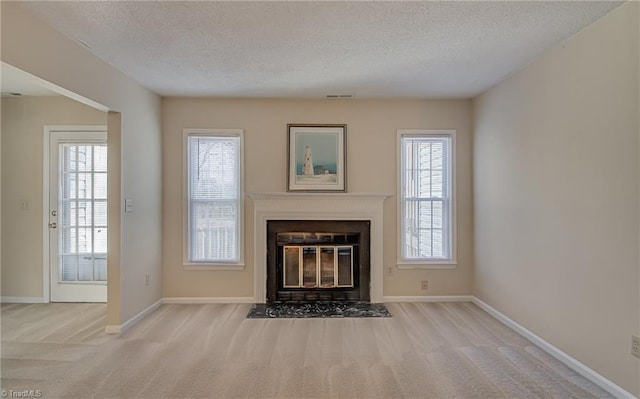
column 23, row 120
column 371, row 167
column 135, row 249
column 556, row 196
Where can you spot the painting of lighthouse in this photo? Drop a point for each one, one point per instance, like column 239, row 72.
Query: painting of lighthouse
column 316, row 158
column 307, row 166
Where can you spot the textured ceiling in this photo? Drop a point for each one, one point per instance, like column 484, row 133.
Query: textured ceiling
column 315, row 48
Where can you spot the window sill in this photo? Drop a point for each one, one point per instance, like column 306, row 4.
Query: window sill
column 82, row 283
column 213, row 266
column 427, row 265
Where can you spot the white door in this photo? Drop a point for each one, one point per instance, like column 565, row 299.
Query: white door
column 78, row 216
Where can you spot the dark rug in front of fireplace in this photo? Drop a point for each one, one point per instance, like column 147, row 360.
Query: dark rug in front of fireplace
column 320, row 309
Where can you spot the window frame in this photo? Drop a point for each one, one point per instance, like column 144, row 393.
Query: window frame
column 189, row 264
column 427, row 263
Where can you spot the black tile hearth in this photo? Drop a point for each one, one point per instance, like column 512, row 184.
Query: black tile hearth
column 329, row 309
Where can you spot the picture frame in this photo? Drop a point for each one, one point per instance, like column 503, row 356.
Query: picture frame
column 316, row 158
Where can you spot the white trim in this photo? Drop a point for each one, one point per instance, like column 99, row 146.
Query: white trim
column 430, row 298
column 440, row 265
column 213, row 266
column 212, row 299
column 112, row 329
column 567, row 360
column 22, row 299
column 58, row 89
column 452, row 262
column 186, row 263
column 119, row 329
column 46, row 283
column 47, row 130
column 275, row 196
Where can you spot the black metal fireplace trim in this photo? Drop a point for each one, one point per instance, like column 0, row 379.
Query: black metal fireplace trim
column 362, row 227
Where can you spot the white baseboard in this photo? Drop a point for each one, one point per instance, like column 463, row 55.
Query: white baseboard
column 430, row 298
column 570, row 362
column 119, row 329
column 112, row 329
column 22, row 299
column 212, row 299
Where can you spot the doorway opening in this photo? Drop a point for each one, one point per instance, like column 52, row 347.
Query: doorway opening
column 76, row 213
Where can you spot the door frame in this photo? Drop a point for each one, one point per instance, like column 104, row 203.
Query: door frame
column 46, row 143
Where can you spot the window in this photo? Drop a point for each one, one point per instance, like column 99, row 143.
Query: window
column 82, row 204
column 426, row 198
column 214, row 192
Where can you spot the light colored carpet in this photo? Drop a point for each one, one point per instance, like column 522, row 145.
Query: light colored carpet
column 426, row 350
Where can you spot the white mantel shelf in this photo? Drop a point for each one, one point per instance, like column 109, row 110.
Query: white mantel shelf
column 318, row 206
column 299, row 195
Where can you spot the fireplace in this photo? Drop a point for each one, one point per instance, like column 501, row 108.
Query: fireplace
column 365, row 207
column 318, row 260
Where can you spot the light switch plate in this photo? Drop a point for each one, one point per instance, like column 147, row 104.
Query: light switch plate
column 128, row 205
column 635, row 346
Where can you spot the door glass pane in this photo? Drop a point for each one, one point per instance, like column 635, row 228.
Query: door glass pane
column 65, row 214
column 84, row 186
column 73, row 213
column 84, row 157
column 68, row 186
column 72, row 247
column 85, row 268
column 82, row 210
column 100, row 186
column 100, row 213
column 100, row 268
column 100, row 158
column 85, row 241
column 84, row 213
column 66, row 240
column 68, row 158
column 100, row 240
column 69, row 267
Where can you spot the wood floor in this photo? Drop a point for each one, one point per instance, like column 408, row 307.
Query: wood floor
column 426, row 350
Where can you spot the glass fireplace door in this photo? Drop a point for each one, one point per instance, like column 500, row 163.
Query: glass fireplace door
column 318, row 266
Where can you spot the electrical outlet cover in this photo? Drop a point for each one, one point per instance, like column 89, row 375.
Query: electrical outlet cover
column 635, row 346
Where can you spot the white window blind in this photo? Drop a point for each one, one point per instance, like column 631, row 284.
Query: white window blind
column 214, row 192
column 83, row 212
column 426, row 197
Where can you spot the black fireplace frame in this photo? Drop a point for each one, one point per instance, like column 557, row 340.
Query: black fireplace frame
column 362, row 283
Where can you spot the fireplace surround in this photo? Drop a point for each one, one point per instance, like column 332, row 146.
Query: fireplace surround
column 318, row 207
column 318, row 260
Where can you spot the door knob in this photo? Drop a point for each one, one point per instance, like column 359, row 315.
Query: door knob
column 53, row 225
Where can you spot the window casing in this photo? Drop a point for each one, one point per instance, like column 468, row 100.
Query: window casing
column 214, row 214
column 426, row 199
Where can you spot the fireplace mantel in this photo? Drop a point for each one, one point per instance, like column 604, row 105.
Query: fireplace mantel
column 317, row 206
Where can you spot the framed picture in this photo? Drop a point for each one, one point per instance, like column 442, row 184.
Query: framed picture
column 317, row 158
